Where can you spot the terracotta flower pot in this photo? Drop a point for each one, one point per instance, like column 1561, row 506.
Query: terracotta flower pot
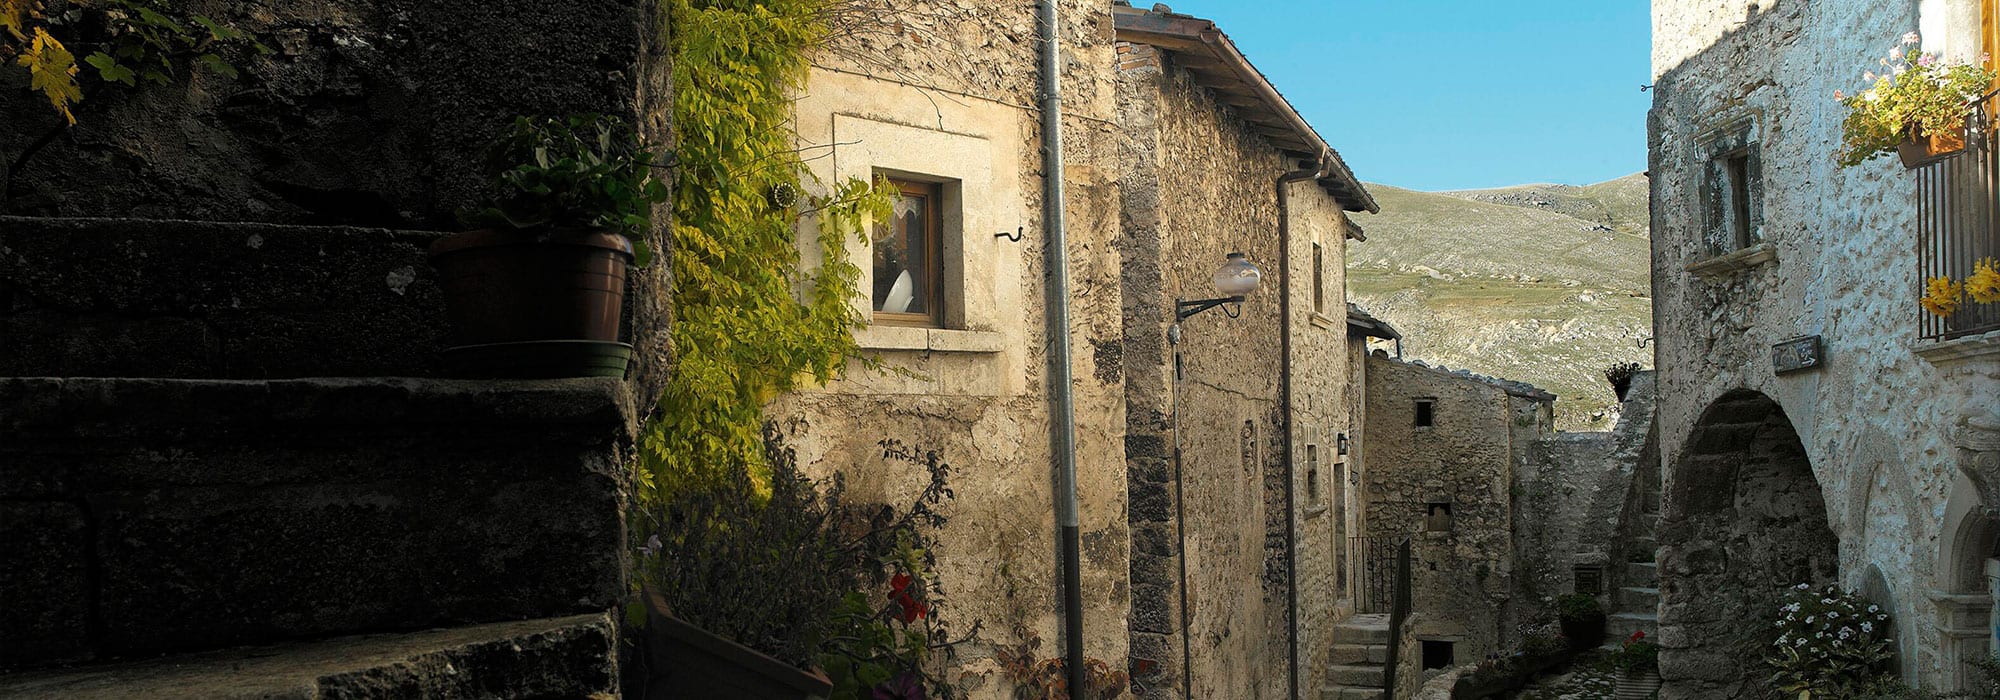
column 1922, row 148
column 534, row 305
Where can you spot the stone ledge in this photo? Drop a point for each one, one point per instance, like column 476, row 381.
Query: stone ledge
column 905, row 338
column 103, row 297
column 1728, row 263
column 1982, row 346
column 571, row 657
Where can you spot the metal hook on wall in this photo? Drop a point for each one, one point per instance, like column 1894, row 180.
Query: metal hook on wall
column 1015, row 236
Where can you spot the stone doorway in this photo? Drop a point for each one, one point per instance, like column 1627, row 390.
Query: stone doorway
column 1744, row 517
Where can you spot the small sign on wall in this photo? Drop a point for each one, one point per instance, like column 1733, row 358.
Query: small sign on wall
column 1797, row 354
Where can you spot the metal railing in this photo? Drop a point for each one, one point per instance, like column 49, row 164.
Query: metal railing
column 1957, row 225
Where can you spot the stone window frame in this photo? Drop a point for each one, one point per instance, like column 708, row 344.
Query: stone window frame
column 974, row 267
column 1731, row 193
column 1423, row 412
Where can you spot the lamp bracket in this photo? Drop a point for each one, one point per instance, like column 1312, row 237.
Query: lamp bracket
column 1184, row 309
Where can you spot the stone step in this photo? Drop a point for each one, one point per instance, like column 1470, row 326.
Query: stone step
column 571, row 657
column 1360, row 653
column 1638, row 599
column 1642, row 574
column 1356, row 675
column 1336, row 692
column 1622, row 625
column 161, row 516
column 190, row 299
column 1362, row 629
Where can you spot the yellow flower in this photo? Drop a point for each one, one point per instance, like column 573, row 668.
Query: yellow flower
column 1984, row 284
column 1941, row 296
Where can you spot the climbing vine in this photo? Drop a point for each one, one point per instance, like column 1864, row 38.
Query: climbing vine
column 124, row 43
column 748, row 323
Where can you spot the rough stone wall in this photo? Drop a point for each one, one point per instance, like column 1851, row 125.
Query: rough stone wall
column 1886, row 429
column 366, row 113
column 975, row 392
column 1464, row 569
column 1197, row 183
column 1572, row 506
column 1222, row 412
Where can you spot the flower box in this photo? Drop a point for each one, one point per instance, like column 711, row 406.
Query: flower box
column 1922, row 148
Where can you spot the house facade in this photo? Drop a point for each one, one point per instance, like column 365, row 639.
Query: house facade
column 1816, row 425
column 1212, row 535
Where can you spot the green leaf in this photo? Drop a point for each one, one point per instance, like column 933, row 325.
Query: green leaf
column 109, row 69
column 216, row 64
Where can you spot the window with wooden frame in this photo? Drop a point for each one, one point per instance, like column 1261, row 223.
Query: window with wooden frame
column 909, row 259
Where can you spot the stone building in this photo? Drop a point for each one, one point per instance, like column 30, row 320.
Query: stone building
column 1443, row 448
column 1175, row 151
column 1239, row 502
column 1504, row 514
column 1816, row 426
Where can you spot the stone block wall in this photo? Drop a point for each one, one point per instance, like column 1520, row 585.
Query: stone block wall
column 1575, row 506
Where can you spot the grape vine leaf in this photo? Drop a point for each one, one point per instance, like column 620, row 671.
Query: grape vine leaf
column 14, row 16
column 109, row 69
column 52, row 71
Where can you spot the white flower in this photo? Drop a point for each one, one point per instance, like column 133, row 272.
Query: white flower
column 1799, row 642
column 1833, row 616
column 1870, row 96
column 1881, row 617
column 1826, row 601
column 1809, row 619
column 1912, row 38
column 1867, row 626
column 1872, row 608
column 1845, row 632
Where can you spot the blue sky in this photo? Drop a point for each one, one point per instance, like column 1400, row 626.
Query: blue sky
column 1457, row 94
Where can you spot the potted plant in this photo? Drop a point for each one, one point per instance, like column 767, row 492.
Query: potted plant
column 536, row 291
column 1915, row 108
column 1620, row 375
column 1582, row 620
column 1637, row 662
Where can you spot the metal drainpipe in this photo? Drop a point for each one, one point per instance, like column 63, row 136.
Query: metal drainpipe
column 1285, row 406
column 1062, row 413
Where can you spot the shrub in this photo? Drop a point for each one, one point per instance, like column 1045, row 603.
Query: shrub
column 1620, row 375
column 1827, row 642
column 807, row 577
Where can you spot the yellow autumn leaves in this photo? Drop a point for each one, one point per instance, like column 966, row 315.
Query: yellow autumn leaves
column 51, row 67
column 1943, row 295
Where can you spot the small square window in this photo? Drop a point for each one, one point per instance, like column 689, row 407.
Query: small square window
column 1426, row 413
column 909, row 258
column 1437, row 654
column 1437, row 516
column 1589, row 580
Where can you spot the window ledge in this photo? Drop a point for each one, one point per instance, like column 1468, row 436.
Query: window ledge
column 1728, row 263
column 1944, row 352
column 1323, row 320
column 1315, row 511
column 928, row 339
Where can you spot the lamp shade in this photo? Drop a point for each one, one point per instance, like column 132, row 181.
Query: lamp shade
column 1237, row 277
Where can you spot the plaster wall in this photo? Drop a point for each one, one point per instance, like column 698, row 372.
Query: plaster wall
column 1843, row 266
column 975, row 391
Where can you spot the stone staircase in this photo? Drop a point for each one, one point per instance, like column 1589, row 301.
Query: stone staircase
column 1636, row 605
column 225, row 472
column 1360, row 653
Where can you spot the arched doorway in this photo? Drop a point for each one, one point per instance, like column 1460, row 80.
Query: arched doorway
column 1743, row 518
column 1968, row 560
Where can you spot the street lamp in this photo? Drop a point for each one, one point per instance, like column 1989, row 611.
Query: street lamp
column 1234, row 280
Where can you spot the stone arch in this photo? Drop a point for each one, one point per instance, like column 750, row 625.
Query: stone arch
column 1744, row 517
column 1971, row 536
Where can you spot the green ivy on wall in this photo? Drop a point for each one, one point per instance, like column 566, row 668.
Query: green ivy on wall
column 748, row 323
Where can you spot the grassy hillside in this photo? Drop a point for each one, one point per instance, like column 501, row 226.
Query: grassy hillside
column 1545, row 284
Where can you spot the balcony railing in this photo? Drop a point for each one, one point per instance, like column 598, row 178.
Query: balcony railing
column 1958, row 226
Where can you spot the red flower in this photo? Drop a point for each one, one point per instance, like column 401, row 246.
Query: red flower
column 908, row 608
column 1636, row 636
